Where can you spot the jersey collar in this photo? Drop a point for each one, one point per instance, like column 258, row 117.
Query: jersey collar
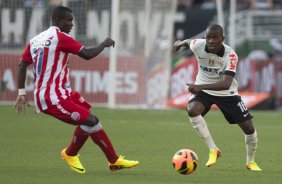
column 55, row 27
column 220, row 53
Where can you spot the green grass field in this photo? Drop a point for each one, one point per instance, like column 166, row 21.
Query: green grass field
column 31, row 145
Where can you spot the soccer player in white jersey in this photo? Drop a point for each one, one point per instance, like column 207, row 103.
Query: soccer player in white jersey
column 48, row 53
column 215, row 84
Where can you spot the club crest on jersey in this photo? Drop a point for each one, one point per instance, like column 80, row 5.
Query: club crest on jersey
column 211, row 62
column 75, row 116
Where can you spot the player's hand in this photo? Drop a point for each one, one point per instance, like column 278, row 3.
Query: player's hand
column 21, row 104
column 108, row 42
column 177, row 45
column 192, row 88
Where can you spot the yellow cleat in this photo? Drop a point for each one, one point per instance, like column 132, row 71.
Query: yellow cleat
column 122, row 163
column 73, row 162
column 253, row 166
column 213, row 156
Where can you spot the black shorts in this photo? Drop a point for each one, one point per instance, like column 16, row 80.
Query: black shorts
column 232, row 107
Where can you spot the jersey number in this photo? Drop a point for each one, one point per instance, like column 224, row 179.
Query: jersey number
column 242, row 106
column 40, row 60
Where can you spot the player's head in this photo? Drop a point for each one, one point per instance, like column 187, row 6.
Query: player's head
column 214, row 38
column 62, row 18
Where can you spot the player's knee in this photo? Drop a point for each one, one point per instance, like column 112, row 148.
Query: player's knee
column 249, row 130
column 91, row 129
column 92, row 124
column 91, row 121
column 192, row 112
column 248, row 127
column 195, row 109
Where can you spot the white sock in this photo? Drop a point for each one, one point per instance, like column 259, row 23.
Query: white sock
column 200, row 126
column 93, row 129
column 251, row 146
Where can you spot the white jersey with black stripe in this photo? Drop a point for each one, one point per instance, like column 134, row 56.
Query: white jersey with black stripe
column 212, row 67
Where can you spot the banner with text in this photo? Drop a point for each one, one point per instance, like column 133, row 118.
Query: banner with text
column 89, row 78
column 263, row 77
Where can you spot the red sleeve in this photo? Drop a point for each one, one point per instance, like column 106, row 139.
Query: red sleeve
column 26, row 56
column 68, row 44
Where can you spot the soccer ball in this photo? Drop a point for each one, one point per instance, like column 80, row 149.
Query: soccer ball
column 185, row 161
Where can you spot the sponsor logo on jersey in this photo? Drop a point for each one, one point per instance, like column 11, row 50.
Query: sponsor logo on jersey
column 211, row 70
column 75, row 116
column 47, row 43
column 202, row 58
column 40, row 43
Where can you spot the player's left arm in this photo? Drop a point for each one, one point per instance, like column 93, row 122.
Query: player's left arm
column 70, row 45
column 219, row 86
column 91, row 52
column 225, row 83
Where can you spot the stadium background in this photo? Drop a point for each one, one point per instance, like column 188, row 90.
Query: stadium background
column 143, row 71
column 30, row 144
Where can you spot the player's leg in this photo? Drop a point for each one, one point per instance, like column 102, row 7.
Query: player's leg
column 91, row 125
column 70, row 154
column 235, row 111
column 195, row 110
column 99, row 136
column 72, row 113
column 251, row 141
column 199, row 124
column 78, row 140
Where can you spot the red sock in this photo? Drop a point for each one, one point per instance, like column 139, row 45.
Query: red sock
column 78, row 140
column 102, row 140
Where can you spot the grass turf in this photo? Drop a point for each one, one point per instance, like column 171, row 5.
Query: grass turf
column 30, row 148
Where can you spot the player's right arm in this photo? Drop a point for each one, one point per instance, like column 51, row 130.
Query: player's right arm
column 181, row 43
column 22, row 68
column 21, row 101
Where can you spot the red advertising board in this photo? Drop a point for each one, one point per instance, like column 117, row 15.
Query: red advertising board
column 251, row 99
column 256, row 80
column 89, row 78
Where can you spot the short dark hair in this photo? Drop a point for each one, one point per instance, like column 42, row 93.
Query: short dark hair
column 216, row 28
column 59, row 12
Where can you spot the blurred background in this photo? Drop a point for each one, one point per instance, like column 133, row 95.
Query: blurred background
column 142, row 71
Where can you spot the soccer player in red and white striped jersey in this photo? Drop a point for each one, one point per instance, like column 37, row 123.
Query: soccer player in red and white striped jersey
column 48, row 53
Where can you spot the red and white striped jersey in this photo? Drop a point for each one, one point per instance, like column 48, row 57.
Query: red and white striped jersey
column 48, row 52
